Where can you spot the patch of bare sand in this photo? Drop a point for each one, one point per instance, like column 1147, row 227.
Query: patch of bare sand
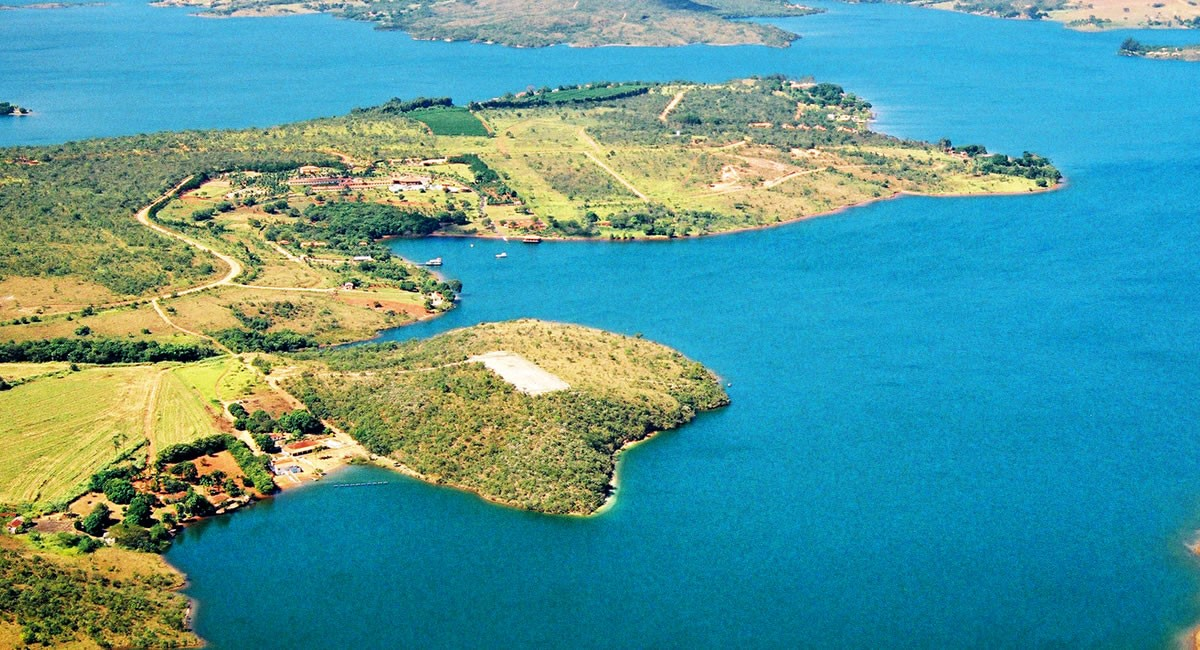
column 523, row 374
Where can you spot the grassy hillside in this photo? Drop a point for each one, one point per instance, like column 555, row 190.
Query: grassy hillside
column 547, row 22
column 461, row 424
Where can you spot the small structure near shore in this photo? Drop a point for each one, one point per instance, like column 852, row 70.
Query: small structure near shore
column 303, row 447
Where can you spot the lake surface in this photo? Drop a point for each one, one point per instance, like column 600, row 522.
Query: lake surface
column 955, row 422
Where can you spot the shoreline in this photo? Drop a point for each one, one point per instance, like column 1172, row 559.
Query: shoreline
column 734, row 231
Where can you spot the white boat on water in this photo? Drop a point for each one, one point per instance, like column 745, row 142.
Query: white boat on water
column 437, row 261
column 501, row 256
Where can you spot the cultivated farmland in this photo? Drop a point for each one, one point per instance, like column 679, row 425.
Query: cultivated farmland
column 59, row 430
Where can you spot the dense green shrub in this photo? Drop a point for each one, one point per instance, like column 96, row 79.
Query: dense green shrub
column 119, row 490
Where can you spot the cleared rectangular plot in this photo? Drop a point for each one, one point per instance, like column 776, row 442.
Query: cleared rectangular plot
column 523, row 374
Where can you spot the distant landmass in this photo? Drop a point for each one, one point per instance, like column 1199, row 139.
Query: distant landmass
column 51, row 5
column 1081, row 14
column 583, row 23
column 286, row 207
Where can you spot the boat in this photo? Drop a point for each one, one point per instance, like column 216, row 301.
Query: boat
column 501, row 256
column 532, row 239
column 437, row 261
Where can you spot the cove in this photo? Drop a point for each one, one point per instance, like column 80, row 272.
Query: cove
column 955, row 422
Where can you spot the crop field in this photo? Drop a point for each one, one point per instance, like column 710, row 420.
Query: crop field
column 449, row 121
column 203, row 377
column 57, row 431
column 224, row 379
column 181, row 413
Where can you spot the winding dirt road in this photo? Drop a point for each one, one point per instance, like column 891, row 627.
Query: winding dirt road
column 235, row 267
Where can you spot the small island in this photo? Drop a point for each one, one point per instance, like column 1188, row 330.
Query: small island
column 517, row 23
column 7, row 109
column 1132, row 47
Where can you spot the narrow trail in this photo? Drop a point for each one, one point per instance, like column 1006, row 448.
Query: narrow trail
column 587, row 139
column 284, row 252
column 302, row 289
column 662, row 117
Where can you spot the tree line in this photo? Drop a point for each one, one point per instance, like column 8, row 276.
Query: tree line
column 102, row 351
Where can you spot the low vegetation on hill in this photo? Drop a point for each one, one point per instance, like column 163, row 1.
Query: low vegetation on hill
column 63, row 595
column 548, row 22
column 456, row 422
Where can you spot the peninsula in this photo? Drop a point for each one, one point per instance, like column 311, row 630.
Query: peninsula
column 1132, row 47
column 580, row 23
column 525, row 413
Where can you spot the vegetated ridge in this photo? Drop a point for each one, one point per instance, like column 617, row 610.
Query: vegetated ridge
column 53, row 594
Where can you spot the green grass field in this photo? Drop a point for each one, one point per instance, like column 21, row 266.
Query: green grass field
column 57, row 431
column 224, row 379
column 453, row 120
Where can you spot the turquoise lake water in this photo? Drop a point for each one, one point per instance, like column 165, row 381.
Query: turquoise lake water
column 955, row 422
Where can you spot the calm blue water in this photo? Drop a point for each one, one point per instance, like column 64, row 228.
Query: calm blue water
column 956, row 422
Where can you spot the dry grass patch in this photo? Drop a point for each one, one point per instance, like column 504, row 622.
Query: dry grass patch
column 139, row 321
column 26, row 296
column 21, row 371
column 330, row 317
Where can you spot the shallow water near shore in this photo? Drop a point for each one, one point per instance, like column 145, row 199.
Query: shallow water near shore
column 955, row 422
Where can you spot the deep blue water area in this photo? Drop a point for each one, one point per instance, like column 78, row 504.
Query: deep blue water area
column 955, row 422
